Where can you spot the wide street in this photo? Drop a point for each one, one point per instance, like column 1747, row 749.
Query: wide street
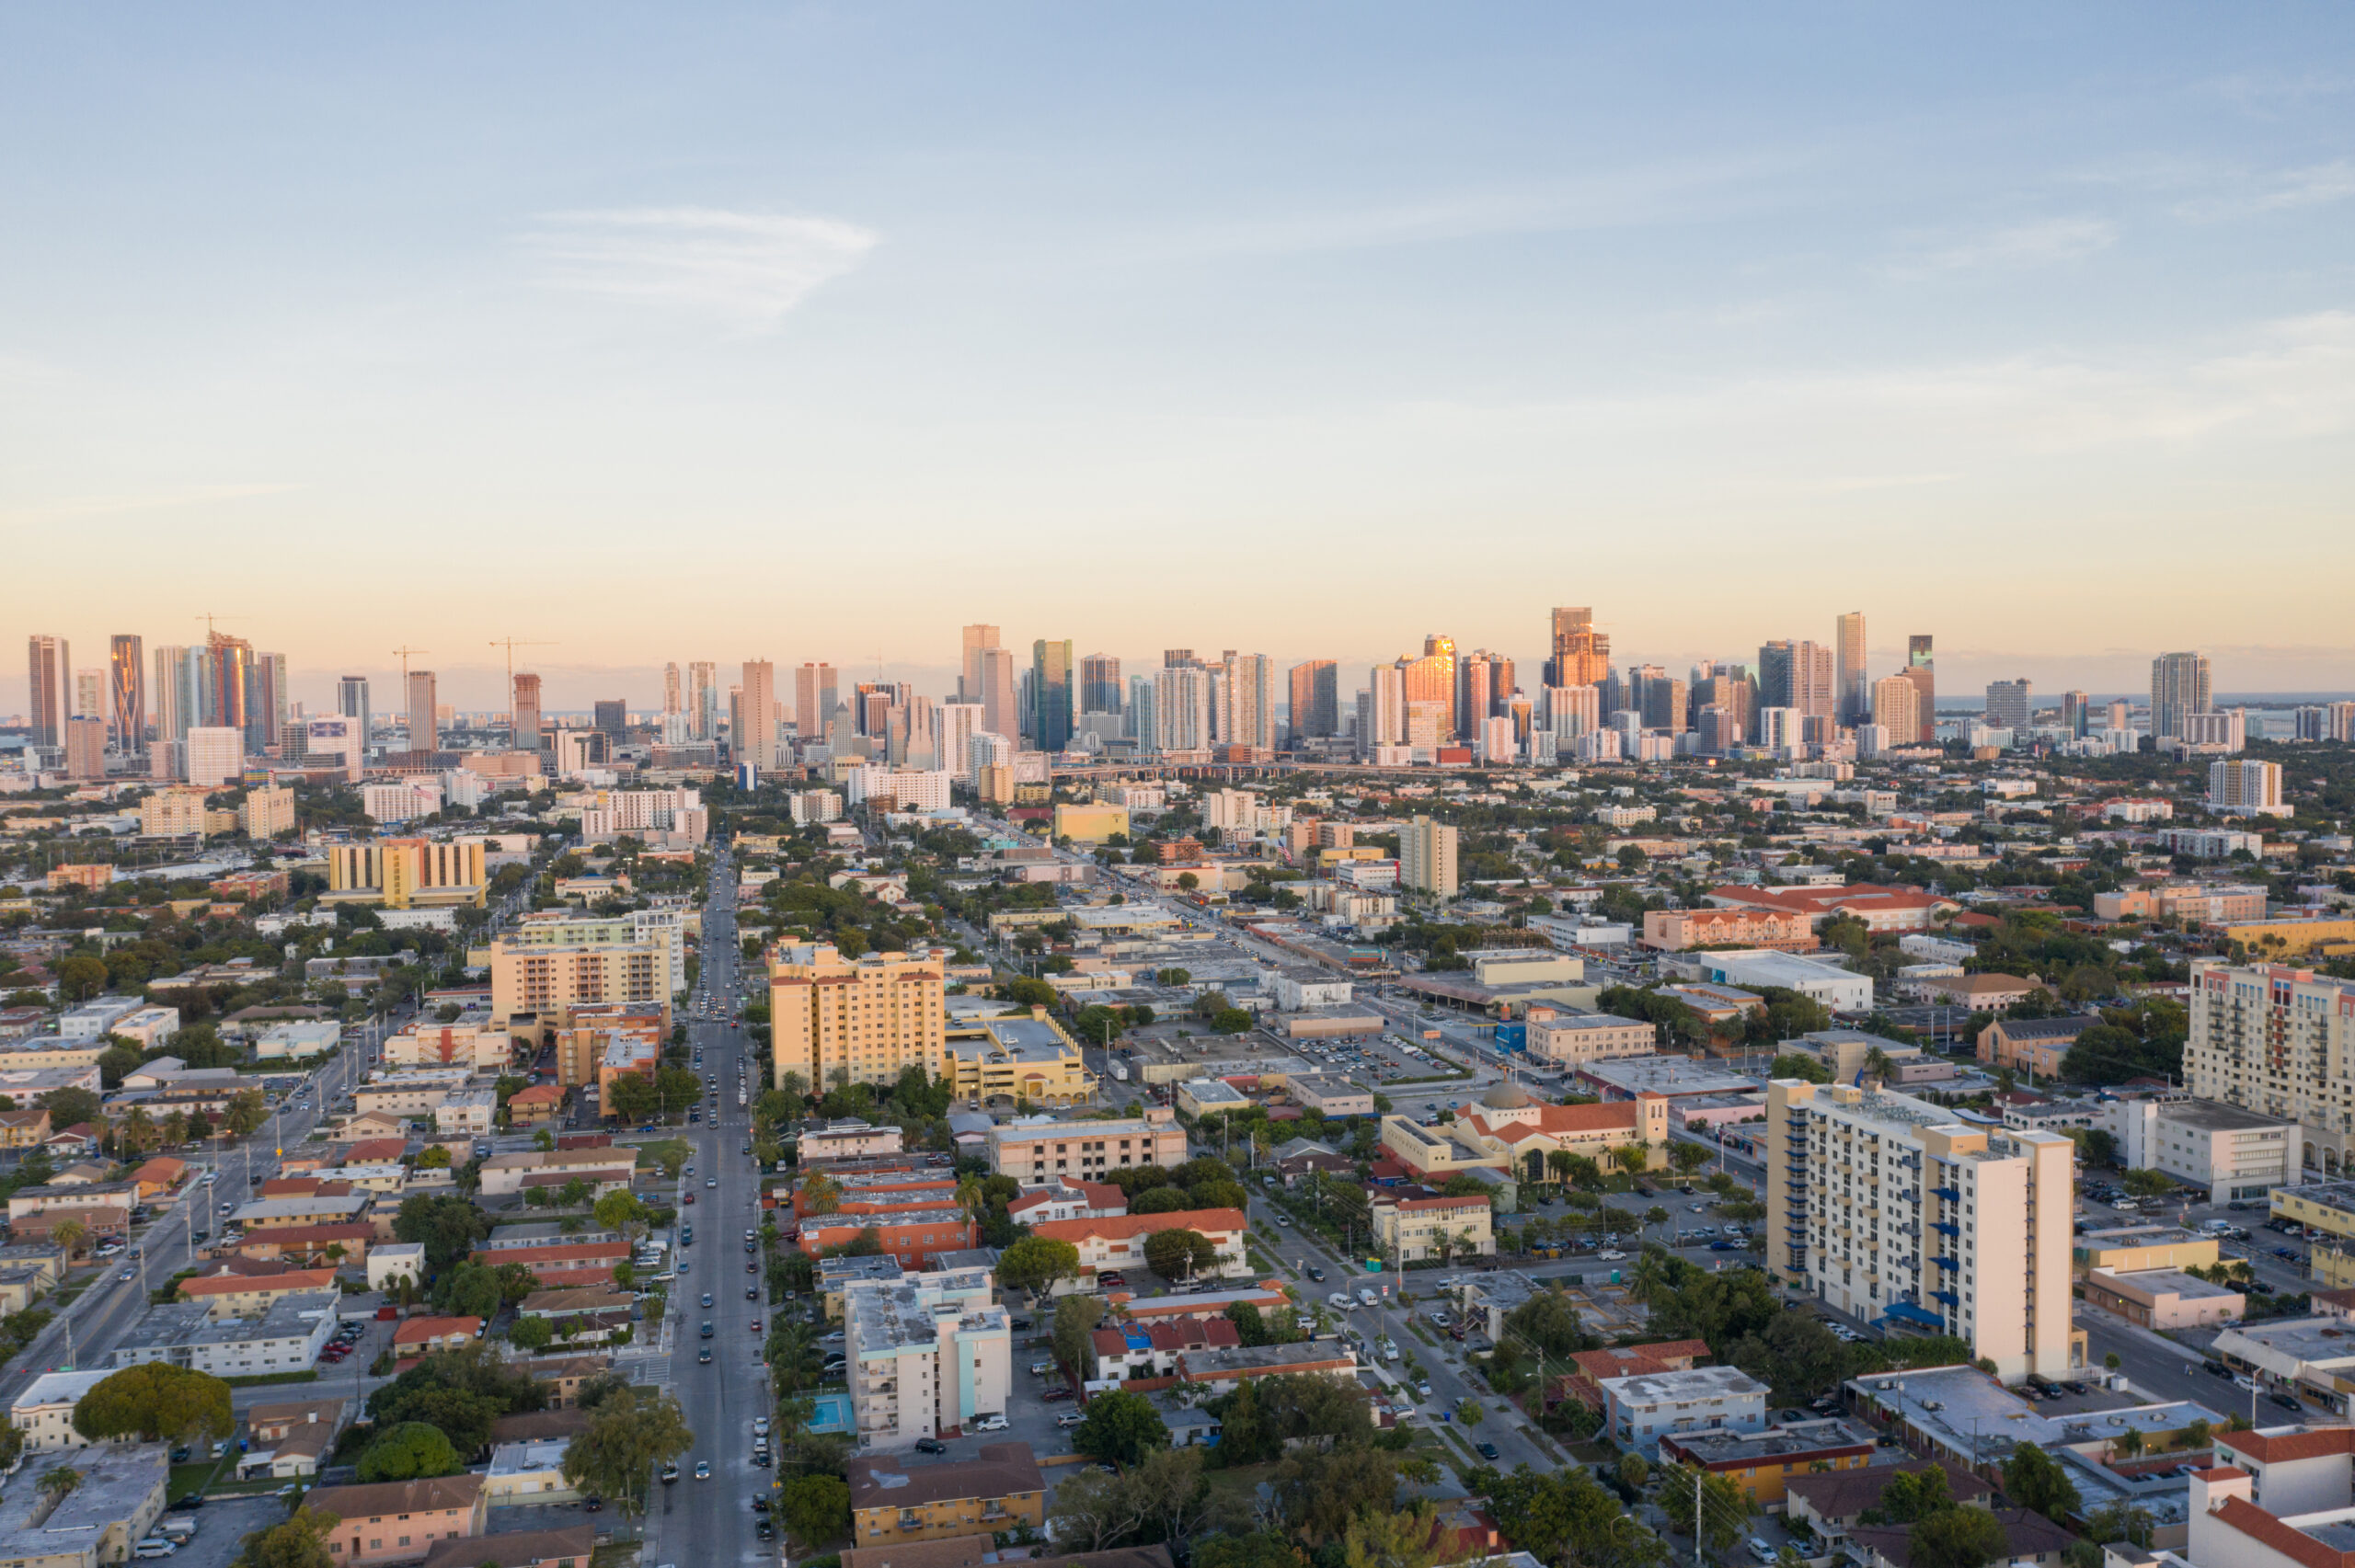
column 711, row 1521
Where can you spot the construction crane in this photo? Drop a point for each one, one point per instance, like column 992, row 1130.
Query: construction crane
column 211, row 615
column 405, row 653
column 511, row 645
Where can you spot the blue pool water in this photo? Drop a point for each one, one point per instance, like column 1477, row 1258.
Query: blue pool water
column 832, row 1414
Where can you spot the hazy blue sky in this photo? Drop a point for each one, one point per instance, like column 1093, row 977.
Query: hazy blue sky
column 810, row 332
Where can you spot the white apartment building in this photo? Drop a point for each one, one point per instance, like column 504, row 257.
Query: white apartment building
column 1427, row 857
column 666, row 925
column 2232, row 1153
column 216, row 756
column 1883, row 1205
column 925, row 1353
column 400, row 801
column 44, row 1412
column 2275, row 1039
column 2246, row 787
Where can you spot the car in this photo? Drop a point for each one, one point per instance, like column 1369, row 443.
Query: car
column 989, row 1424
column 2287, row 1401
column 687, row 1199
column 713, row 1181
column 683, row 1268
column 670, row 1472
column 1055, row 1393
column 1610, row 1255
column 760, row 1426
column 1485, row 1451
column 703, row 1469
column 752, row 1265
column 2216, row 1369
column 706, row 1298
column 703, row 1355
column 764, row 1530
column 127, row 1275
column 759, row 1505
column 1315, row 1273
column 707, row 1328
column 1725, row 1246
column 1070, row 1418
column 931, row 1445
column 1761, row 1552
column 757, row 1325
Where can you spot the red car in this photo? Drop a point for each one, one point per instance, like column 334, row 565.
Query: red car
column 686, row 1197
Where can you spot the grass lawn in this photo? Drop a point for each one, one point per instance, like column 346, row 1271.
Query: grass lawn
column 194, row 1477
column 1240, row 1483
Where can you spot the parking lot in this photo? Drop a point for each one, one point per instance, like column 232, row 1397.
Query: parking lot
column 221, row 1527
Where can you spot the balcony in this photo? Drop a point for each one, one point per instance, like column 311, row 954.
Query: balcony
column 1951, row 1195
column 1945, row 1228
column 1946, row 1262
column 1948, row 1296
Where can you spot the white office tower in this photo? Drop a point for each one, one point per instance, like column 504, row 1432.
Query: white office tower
column 954, row 726
column 986, row 750
column 1181, row 703
column 1886, row 1207
column 1573, row 711
column 1143, row 716
column 1387, row 709
column 1779, row 730
column 1245, row 684
column 1497, row 744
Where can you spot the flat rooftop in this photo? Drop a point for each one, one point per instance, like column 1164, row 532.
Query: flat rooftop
column 2208, row 1116
column 290, row 1316
column 1718, row 1446
column 2172, row 1281
column 1698, row 1383
column 1973, row 1409
column 883, row 1317
column 2317, row 1340
column 1214, row 1091
column 1678, row 1077
column 117, row 1481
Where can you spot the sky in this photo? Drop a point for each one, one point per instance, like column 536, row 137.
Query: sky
column 813, row 332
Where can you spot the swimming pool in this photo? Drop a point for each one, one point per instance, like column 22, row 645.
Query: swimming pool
column 832, row 1414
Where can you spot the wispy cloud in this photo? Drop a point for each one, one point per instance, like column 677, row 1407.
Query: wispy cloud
column 1679, row 192
column 2317, row 185
column 2019, row 247
column 65, row 508
column 747, row 269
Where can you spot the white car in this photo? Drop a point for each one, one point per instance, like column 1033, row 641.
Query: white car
column 990, row 1424
column 1069, row 1418
column 1613, row 1256
column 1342, row 1300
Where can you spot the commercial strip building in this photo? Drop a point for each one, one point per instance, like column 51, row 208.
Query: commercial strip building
column 1884, row 1206
column 2229, row 1152
column 1015, row 1060
column 1842, row 990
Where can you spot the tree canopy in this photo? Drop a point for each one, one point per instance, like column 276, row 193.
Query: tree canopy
column 155, row 1402
column 408, row 1451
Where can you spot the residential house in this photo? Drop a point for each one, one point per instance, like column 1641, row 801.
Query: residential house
column 399, row 1521
column 1000, row 1489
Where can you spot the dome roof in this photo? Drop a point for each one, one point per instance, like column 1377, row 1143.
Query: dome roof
column 1507, row 1096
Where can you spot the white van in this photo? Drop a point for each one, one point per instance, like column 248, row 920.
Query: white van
column 153, row 1546
column 1366, row 1296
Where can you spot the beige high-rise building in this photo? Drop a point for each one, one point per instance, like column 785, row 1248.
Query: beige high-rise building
column 412, row 871
column 1884, row 1206
column 855, row 1020
column 2279, row 1040
column 755, row 735
column 266, row 812
column 216, row 754
column 525, row 715
column 85, row 748
column 817, row 692
column 50, row 689
column 1897, row 707
column 1427, row 857
column 2247, row 785
column 550, row 981
column 422, row 711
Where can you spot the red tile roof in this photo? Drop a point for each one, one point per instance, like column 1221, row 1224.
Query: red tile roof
column 1208, row 1221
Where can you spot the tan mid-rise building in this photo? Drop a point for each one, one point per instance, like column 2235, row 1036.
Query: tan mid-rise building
column 404, row 872
column 855, row 1020
column 554, row 981
column 1427, row 857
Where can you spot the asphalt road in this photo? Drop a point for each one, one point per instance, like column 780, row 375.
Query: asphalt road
column 86, row 1333
column 711, row 1521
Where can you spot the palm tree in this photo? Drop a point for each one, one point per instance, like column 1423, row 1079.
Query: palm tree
column 175, row 1129
column 970, row 1198
column 1879, row 1065
column 59, row 1482
column 70, row 1234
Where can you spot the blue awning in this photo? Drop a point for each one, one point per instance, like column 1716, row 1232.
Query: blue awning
column 1907, row 1312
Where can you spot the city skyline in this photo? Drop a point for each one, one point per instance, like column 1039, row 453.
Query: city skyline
column 1996, row 326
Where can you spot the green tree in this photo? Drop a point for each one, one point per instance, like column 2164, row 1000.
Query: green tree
column 1179, row 1254
column 1075, row 1318
column 71, row 1107
column 816, row 1508
column 80, row 978
column 821, row 1194
column 1793, row 1353
column 631, row 1097
column 155, row 1402
column 410, row 1451
column 1035, row 1263
column 1915, row 1495
column 1790, row 1064
column 247, row 1113
column 1320, row 1490
column 1569, row 1520
column 298, row 1541
column 627, row 1435
column 446, row 1227
column 530, row 1334
column 1957, row 1537
column 1121, row 1429
column 2033, row 1479
column 1724, row 1507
